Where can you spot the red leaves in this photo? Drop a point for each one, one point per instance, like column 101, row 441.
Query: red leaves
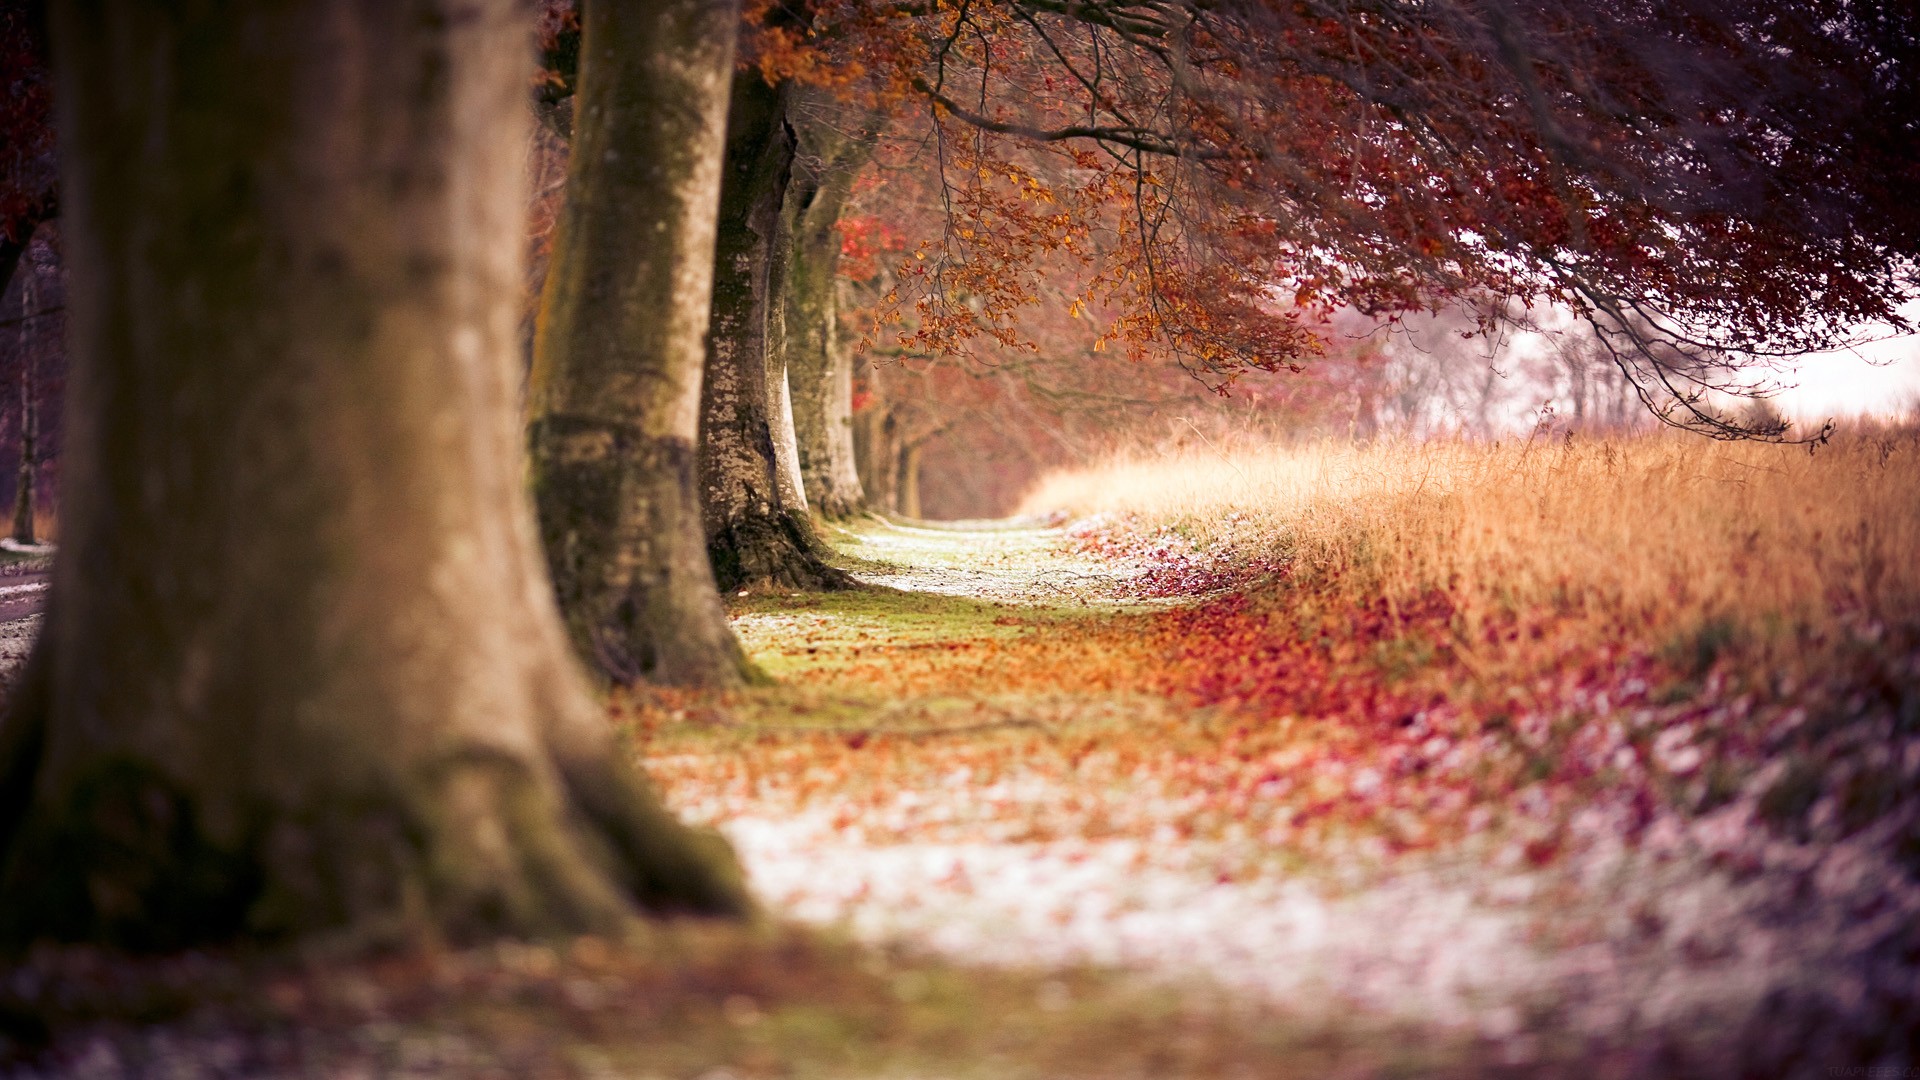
column 863, row 239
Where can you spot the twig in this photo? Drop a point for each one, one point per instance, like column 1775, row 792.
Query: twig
column 1216, row 449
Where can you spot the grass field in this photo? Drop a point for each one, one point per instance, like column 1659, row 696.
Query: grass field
column 1652, row 540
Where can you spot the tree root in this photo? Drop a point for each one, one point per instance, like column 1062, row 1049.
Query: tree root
column 474, row 843
column 774, row 551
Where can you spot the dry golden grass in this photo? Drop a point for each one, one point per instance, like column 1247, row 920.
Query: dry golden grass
column 1638, row 539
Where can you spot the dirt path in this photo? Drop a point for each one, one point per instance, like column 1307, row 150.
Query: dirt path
column 971, row 762
column 23, row 595
column 1031, row 864
column 1019, row 563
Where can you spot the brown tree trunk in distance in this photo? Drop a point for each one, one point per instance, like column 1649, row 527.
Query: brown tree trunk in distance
column 819, row 367
column 753, row 538
column 29, row 421
column 908, row 484
column 614, row 398
column 876, row 449
column 302, row 672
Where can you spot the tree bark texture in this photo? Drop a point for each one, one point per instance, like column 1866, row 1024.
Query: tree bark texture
column 754, row 538
column 614, row 397
column 817, row 363
column 28, row 475
column 787, row 482
column 302, row 672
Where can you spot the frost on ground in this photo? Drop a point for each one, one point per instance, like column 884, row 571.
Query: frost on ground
column 1017, row 563
column 1450, row 954
column 23, row 590
column 1706, row 936
column 1618, row 947
column 16, row 641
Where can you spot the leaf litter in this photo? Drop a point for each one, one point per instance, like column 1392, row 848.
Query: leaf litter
column 1016, row 750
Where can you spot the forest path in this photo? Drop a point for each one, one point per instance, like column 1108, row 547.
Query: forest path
column 1067, row 806
column 23, row 595
column 969, row 757
column 1020, row 562
column 1063, row 749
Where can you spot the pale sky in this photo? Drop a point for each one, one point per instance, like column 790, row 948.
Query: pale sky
column 1881, row 378
column 1878, row 378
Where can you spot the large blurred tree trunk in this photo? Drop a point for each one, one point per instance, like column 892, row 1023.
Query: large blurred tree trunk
column 302, row 671
column 818, row 365
column 615, row 394
column 755, row 538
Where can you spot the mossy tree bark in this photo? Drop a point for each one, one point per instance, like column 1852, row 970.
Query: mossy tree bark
column 614, row 403
column 817, row 362
column 302, row 672
column 754, row 537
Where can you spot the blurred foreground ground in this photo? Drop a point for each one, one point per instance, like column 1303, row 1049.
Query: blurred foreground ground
column 23, row 593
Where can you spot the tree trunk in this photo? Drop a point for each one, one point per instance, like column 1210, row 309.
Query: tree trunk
column 877, row 450
column 754, row 538
column 302, row 672
column 615, row 389
column 788, row 486
column 819, row 367
column 29, row 421
column 908, row 484
column 789, row 490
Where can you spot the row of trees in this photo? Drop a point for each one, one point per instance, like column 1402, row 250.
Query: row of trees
column 1013, row 418
column 304, row 670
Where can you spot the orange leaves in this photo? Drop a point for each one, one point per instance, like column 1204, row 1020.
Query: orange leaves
column 1008, row 223
column 1232, row 722
column 842, row 46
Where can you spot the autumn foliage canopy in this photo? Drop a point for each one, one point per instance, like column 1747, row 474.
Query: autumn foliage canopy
column 1710, row 183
